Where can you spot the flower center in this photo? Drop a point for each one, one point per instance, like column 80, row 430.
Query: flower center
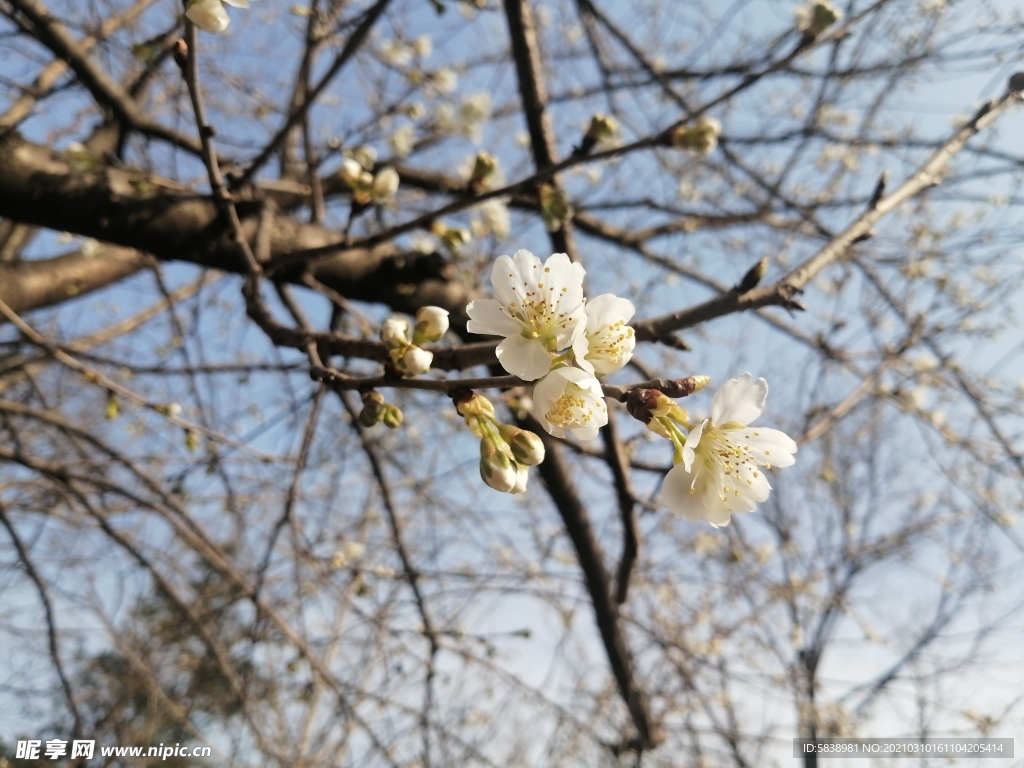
column 570, row 408
column 608, row 342
column 733, row 463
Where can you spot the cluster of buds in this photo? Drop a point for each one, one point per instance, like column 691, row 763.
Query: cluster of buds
column 602, row 128
column 404, row 351
column 376, row 411
column 554, row 206
column 367, row 187
column 701, row 137
column 506, row 451
column 815, row 17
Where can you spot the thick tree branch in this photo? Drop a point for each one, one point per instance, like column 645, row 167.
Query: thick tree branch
column 29, row 285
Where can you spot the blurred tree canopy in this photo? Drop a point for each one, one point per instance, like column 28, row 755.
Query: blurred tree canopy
column 209, row 538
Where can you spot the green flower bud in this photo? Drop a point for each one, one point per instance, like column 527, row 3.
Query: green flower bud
column 393, row 416
column 471, row 405
column 373, row 408
column 814, row 18
column 701, row 137
column 527, row 448
column 601, row 128
column 554, row 207
column 497, row 469
column 484, row 167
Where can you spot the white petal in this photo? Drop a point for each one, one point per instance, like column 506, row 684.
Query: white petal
column 690, row 446
column 487, row 317
column 525, row 358
column 580, row 347
column 563, row 273
column 208, row 15
column 739, row 401
column 684, row 495
column 607, row 309
column 589, row 433
column 511, row 277
column 767, row 446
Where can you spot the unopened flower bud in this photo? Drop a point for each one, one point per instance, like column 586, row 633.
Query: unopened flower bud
column 350, row 172
column 373, row 408
column 701, row 137
column 484, row 166
column 366, row 156
column 652, row 406
column 455, row 237
column 527, row 448
column 471, row 405
column 554, row 207
column 522, row 476
column 394, row 332
column 113, row 407
column 385, row 185
column 815, row 17
column 169, row 409
column 497, row 469
column 431, row 325
column 601, row 128
column 392, row 417
column 412, row 360
column 208, row 15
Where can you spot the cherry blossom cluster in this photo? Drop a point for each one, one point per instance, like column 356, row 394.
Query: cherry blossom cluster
column 555, row 337
column 405, row 350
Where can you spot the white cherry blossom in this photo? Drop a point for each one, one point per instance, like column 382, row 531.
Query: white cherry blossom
column 720, row 472
column 538, row 309
column 606, row 343
column 570, row 400
column 208, row 15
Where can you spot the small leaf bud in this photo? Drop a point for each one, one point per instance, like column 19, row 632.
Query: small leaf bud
column 753, row 276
